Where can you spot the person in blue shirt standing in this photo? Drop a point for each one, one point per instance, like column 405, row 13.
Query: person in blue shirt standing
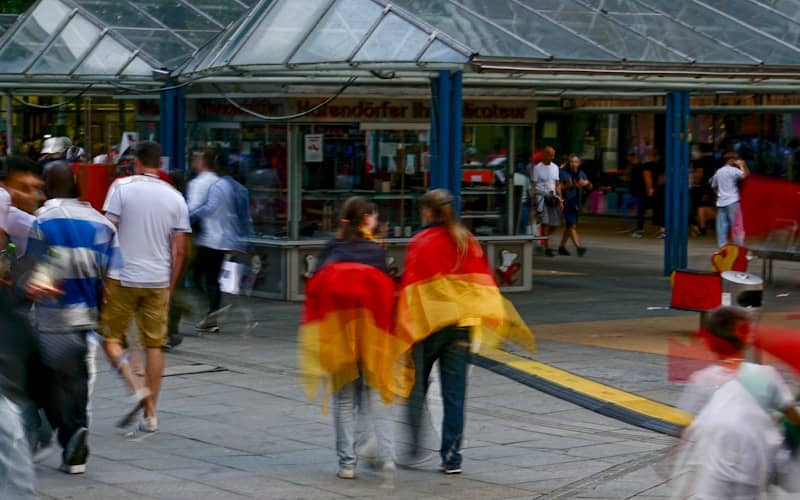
column 76, row 247
column 573, row 181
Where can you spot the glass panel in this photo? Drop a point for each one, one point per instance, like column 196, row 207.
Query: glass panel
column 760, row 18
column 280, row 31
column 712, row 24
column 388, row 167
column 175, row 14
column 484, row 173
column 260, row 151
column 65, row 51
column 199, row 38
column 224, row 11
column 593, row 25
column 481, row 35
column 339, row 32
column 439, row 52
column 107, row 58
column 137, row 67
column 681, row 38
column 395, row 39
column 117, row 13
column 789, row 8
column 161, row 44
column 6, row 21
column 32, row 36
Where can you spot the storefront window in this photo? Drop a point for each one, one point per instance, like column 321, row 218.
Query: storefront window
column 257, row 154
column 389, row 167
column 484, row 182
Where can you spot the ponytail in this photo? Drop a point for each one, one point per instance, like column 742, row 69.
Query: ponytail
column 441, row 204
column 351, row 221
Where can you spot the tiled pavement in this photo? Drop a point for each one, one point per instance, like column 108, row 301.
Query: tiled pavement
column 247, row 431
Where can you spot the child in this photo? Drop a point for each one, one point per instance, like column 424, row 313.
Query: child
column 733, row 442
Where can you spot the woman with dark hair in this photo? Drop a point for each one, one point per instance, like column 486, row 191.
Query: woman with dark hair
column 449, row 301
column 347, row 343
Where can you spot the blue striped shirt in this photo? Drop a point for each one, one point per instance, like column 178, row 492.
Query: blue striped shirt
column 83, row 246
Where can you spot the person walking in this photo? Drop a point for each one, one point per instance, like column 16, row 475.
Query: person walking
column 152, row 221
column 226, row 223
column 20, row 380
column 349, row 310
column 725, row 183
column 548, row 197
column 573, row 181
column 76, row 243
column 448, row 302
column 204, row 164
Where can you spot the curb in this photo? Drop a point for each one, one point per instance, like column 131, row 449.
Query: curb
column 605, row 400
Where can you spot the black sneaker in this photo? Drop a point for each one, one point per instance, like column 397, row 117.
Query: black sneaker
column 76, row 453
column 550, row 252
column 563, row 251
column 581, row 251
column 173, row 341
column 451, row 469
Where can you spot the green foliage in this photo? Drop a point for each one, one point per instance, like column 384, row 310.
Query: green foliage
column 15, row 6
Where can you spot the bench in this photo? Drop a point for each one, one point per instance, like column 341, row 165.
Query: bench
column 782, row 243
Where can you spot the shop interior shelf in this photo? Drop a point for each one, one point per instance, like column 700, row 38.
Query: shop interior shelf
column 481, row 191
column 482, row 215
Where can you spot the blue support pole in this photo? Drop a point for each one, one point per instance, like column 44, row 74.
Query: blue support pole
column 443, row 112
column 172, row 127
column 433, row 139
column 676, row 241
column 456, row 137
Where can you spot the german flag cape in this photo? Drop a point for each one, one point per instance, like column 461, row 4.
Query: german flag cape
column 441, row 289
column 347, row 331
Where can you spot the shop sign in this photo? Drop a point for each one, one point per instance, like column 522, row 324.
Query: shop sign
column 313, row 148
column 384, row 110
column 220, row 109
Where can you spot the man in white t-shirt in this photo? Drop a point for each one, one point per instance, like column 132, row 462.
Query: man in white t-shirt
column 726, row 184
column 547, row 188
column 152, row 220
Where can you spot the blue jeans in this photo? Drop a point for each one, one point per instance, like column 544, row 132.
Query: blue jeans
column 355, row 401
column 16, row 463
column 729, row 219
column 451, row 347
column 524, row 217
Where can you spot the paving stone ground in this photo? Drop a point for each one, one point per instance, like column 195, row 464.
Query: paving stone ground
column 235, row 424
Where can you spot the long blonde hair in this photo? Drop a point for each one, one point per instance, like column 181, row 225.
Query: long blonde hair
column 441, row 205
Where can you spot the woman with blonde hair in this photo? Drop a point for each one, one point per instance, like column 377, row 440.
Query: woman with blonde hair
column 449, row 301
column 346, row 336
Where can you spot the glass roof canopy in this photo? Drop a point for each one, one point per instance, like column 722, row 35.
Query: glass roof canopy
column 112, row 39
column 325, row 34
column 101, row 40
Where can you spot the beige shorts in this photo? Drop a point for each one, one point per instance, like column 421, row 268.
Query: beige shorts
column 149, row 305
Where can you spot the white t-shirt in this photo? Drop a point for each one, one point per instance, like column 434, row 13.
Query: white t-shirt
column 5, row 205
column 147, row 211
column 545, row 177
column 523, row 181
column 197, row 189
column 19, row 229
column 726, row 182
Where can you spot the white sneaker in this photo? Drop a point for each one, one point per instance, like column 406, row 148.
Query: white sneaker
column 149, row 424
column 346, row 473
column 389, row 471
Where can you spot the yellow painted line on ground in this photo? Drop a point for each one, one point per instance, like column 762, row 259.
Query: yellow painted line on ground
column 596, row 390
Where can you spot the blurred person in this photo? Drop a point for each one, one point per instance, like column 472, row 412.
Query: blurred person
column 20, row 380
column 54, row 148
column 725, row 183
column 152, row 220
column 730, row 450
column 81, row 246
column 701, row 193
column 75, row 152
column 349, row 310
column 641, row 190
column 573, row 181
column 449, row 301
column 549, row 204
column 523, row 181
column 226, row 223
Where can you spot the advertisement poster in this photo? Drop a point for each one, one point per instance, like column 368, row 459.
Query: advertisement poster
column 313, row 148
